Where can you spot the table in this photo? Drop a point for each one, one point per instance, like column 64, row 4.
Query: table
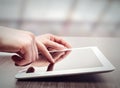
column 109, row 47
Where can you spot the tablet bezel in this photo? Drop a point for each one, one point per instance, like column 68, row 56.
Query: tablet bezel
column 106, row 67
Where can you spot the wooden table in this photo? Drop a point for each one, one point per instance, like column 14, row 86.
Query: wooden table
column 110, row 48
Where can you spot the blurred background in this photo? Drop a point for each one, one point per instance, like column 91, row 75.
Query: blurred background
column 87, row 18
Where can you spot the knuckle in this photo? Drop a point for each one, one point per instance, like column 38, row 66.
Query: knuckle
column 31, row 35
column 27, row 43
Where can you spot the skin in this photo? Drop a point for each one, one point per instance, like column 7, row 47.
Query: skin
column 27, row 46
column 52, row 42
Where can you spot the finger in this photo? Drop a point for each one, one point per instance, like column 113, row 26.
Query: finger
column 36, row 50
column 26, row 53
column 44, row 51
column 19, row 61
column 20, row 54
column 61, row 41
column 33, row 52
column 63, row 56
column 54, row 45
column 16, row 58
column 57, row 56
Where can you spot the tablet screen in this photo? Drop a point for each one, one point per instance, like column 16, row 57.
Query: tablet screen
column 84, row 58
column 80, row 58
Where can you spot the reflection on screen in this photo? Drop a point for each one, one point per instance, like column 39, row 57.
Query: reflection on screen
column 82, row 58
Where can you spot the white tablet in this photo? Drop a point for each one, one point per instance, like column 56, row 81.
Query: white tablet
column 80, row 61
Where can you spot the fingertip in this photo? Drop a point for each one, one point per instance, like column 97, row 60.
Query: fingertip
column 45, row 52
column 51, row 60
column 69, row 45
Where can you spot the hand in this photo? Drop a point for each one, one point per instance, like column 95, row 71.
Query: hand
column 20, row 42
column 51, row 42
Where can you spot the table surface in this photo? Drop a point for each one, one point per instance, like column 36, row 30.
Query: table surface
column 109, row 47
